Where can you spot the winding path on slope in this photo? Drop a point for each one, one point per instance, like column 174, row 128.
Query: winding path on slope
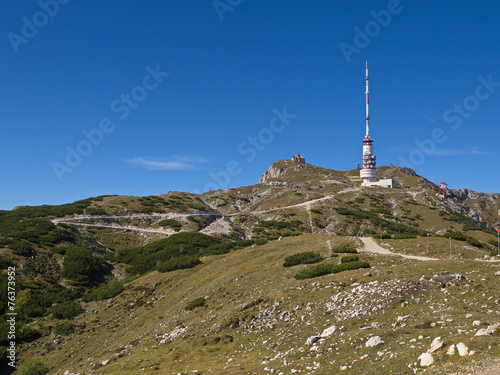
column 372, row 247
column 117, row 226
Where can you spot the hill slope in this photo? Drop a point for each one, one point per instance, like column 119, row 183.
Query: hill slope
column 254, row 315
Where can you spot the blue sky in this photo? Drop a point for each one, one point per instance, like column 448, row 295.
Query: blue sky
column 144, row 97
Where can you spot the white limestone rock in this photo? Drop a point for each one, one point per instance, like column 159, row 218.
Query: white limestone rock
column 451, row 350
column 312, row 340
column 327, row 332
column 374, row 341
column 426, row 359
column 463, row 350
column 488, row 331
column 436, row 344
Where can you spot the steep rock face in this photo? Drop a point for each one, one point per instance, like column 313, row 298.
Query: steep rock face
column 293, row 172
column 282, row 169
column 409, row 171
column 272, row 172
column 471, row 194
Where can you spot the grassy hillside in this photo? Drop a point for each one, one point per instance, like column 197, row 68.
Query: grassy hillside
column 179, row 282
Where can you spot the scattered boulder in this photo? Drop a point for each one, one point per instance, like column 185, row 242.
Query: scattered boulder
column 448, row 277
column 463, row 350
column 436, row 344
column 374, row 341
column 451, row 350
column 312, row 340
column 488, row 331
column 426, row 359
column 327, row 332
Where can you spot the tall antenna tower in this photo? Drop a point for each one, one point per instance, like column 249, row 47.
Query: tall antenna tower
column 368, row 172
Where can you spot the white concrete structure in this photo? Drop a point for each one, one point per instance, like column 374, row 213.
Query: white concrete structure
column 387, row 183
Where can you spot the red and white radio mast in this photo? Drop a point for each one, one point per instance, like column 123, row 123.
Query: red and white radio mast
column 368, row 172
column 443, row 190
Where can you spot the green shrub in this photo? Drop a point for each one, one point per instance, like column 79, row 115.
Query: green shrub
column 319, row 270
column 459, row 236
column 382, row 236
column 347, row 259
column 244, row 243
column 28, row 334
column 80, row 264
column 22, row 248
column 104, row 292
column 95, row 211
column 493, row 253
column 198, row 302
column 178, row 263
column 65, row 310
column 403, row 236
column 302, row 258
column 5, row 263
column 174, row 224
column 326, row 269
column 294, row 224
column 316, row 210
column 472, row 241
column 260, row 241
column 181, row 250
column 33, row 366
column 493, row 242
column 345, row 249
column 64, row 328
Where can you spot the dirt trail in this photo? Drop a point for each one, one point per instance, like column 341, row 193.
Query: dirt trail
column 306, row 205
column 124, row 227
column 75, row 220
column 371, row 246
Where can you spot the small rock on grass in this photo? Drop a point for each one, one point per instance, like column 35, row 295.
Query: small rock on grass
column 374, row 341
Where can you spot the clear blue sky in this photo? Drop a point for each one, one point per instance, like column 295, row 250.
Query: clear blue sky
column 194, row 94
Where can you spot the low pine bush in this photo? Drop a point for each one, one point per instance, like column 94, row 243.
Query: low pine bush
column 326, row 269
column 302, row 258
column 65, row 310
column 178, row 263
column 472, row 241
column 174, row 224
column 459, row 236
column 33, row 367
column 104, row 292
column 345, row 250
column 198, row 302
column 347, row 259
column 403, row 236
column 22, row 248
column 65, row 328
